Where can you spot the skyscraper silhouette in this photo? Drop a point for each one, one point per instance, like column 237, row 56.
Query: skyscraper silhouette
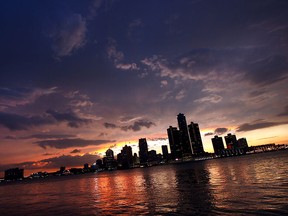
column 231, row 141
column 242, row 143
column 165, row 152
column 143, row 151
column 184, row 134
column 109, row 160
column 125, row 158
column 195, row 137
column 174, row 137
column 218, row 145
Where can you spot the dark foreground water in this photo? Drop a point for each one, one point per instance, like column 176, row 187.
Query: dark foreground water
column 247, row 185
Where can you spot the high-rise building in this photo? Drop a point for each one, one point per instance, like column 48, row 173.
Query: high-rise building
column 231, row 141
column 152, row 156
column 143, row 151
column 174, row 137
column 195, row 137
column 218, row 145
column 165, row 151
column 242, row 143
column 184, row 134
column 125, row 158
column 109, row 161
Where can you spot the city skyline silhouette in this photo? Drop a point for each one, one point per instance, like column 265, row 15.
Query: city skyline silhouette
column 78, row 78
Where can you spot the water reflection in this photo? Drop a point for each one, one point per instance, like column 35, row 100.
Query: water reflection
column 157, row 190
column 117, row 192
column 193, row 186
column 248, row 184
column 160, row 189
column 254, row 185
column 142, row 191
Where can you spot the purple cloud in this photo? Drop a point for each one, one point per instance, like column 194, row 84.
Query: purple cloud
column 209, row 134
column 138, row 125
column 75, row 151
column 258, row 125
column 72, row 119
column 68, row 143
column 55, row 162
column 220, row 131
column 18, row 122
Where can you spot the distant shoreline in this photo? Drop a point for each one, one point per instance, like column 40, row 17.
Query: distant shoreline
column 28, row 180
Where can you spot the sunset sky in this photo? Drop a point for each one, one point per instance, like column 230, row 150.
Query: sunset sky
column 78, row 77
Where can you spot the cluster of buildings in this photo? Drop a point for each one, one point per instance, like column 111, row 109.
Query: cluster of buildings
column 126, row 159
column 185, row 141
column 185, row 144
column 233, row 146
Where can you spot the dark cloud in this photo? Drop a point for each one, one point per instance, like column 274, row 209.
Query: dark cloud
column 47, row 154
column 217, row 131
column 55, row 162
column 109, row 125
column 49, row 136
column 14, row 93
column 220, row 131
column 42, row 136
column 19, row 122
column 70, row 161
column 209, row 134
column 72, row 119
column 103, row 134
column 258, row 125
column 75, row 151
column 138, row 125
column 10, row 137
column 268, row 70
column 68, row 143
column 285, row 113
column 11, row 97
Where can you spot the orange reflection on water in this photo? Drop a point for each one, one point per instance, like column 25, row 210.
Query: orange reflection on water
column 135, row 192
column 118, row 192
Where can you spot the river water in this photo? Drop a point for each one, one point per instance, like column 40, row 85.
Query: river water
column 247, row 185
